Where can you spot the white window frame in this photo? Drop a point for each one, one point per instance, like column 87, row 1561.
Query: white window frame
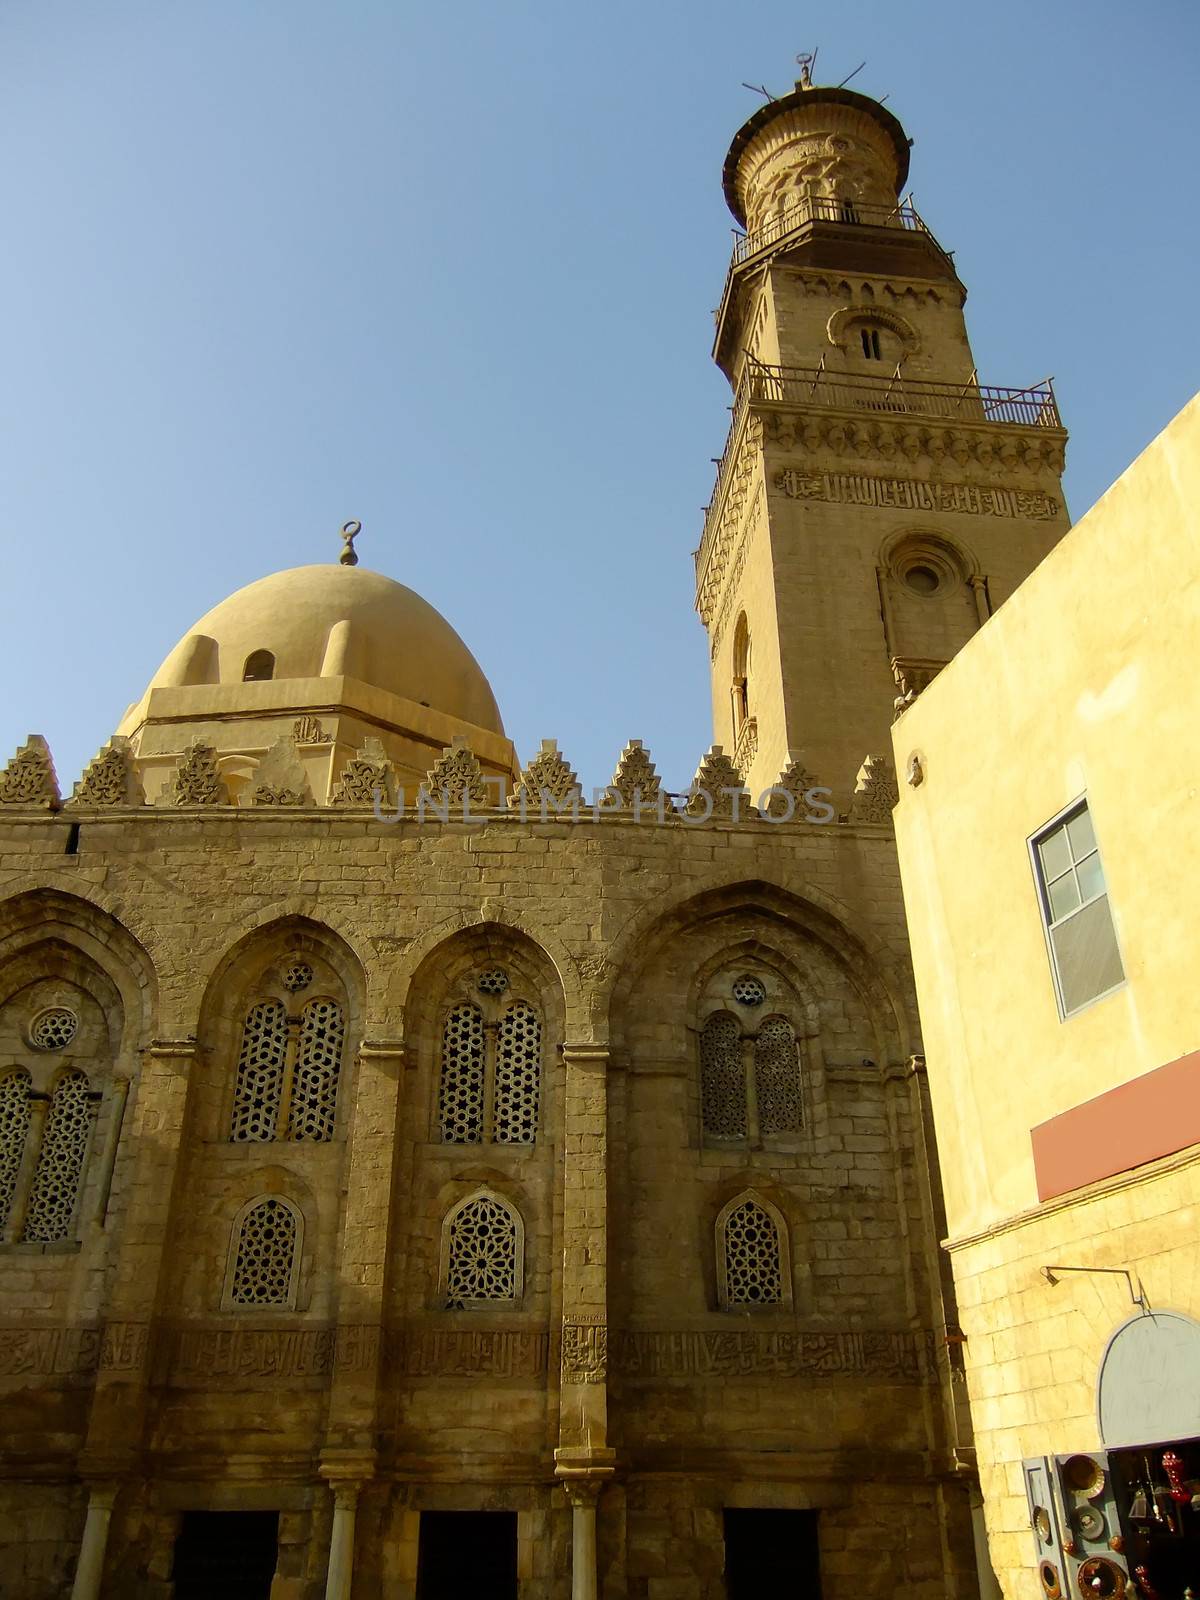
column 1042, row 890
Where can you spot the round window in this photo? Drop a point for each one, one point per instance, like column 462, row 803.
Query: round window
column 923, row 579
column 493, row 981
column 748, row 991
column 53, row 1028
column 297, row 975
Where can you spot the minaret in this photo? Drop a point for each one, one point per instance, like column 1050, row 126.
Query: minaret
column 875, row 502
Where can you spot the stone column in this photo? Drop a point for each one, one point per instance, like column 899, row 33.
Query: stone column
column 360, row 1270
column 583, row 1461
column 90, row 1567
column 583, row 1494
column 340, row 1576
column 119, row 1400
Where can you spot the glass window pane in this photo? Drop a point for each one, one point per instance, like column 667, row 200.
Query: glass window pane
column 1085, row 950
column 1091, row 878
column 1064, row 897
column 1054, row 854
column 1081, row 834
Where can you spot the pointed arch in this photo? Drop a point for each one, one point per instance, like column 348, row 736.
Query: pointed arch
column 265, row 1251
column 754, row 1269
column 482, row 1253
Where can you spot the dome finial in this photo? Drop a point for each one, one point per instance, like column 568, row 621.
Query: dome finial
column 350, row 532
column 806, row 61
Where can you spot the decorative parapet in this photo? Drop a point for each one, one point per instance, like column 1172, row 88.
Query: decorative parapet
column 746, row 748
column 876, row 793
column 456, row 776
column 366, row 779
column 198, row 782
column 29, row 778
column 110, row 778
column 547, row 777
column 717, row 789
column 635, row 779
column 795, row 780
column 280, row 779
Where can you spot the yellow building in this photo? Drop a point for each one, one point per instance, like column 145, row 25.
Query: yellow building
column 1049, row 838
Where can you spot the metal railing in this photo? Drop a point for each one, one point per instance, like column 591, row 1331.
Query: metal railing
column 898, row 395
column 819, row 208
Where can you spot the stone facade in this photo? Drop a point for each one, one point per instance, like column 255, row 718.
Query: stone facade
column 387, row 1131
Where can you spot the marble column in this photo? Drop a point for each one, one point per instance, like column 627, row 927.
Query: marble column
column 90, row 1567
column 340, row 1577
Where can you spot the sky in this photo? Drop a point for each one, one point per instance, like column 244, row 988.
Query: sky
column 450, row 270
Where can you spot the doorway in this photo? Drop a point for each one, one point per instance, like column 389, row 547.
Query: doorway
column 467, row 1555
column 771, row 1554
column 227, row 1553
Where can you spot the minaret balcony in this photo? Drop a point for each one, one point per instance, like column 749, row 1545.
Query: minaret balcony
column 815, row 209
column 896, row 395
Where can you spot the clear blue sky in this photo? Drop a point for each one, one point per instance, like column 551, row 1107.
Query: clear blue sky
column 272, row 264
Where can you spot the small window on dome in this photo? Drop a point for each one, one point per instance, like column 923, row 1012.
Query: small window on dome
column 260, row 665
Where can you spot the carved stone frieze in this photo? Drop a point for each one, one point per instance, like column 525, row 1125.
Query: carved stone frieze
column 464, row 1353
column 48, row 1352
column 727, row 512
column 197, row 1356
column 908, row 494
column 905, row 1357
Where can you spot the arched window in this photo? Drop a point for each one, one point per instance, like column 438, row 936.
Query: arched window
column 871, row 346
column 752, row 1259
column 722, row 1078
column 777, row 1078
column 288, row 1069
column 750, row 1080
column 264, row 1254
column 14, row 1129
column 260, row 665
column 56, row 1182
column 491, row 1068
column 483, row 1253
column 741, row 673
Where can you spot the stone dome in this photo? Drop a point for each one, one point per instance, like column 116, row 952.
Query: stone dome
column 335, row 621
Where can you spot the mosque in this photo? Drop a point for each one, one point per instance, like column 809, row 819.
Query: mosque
column 488, row 1193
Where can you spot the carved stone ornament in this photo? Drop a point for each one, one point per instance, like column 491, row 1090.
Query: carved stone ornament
column 198, row 782
column 584, row 1350
column 717, row 789
column 308, row 730
column 457, row 776
column 364, row 777
column 547, row 774
column 795, row 780
column 876, row 792
column 595, row 968
column 110, row 778
column 636, row 775
column 280, row 779
column 29, row 778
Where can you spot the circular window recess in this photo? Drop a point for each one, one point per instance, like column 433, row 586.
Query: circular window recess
column 748, row 991
column 297, row 975
column 493, row 981
column 53, row 1028
column 922, row 579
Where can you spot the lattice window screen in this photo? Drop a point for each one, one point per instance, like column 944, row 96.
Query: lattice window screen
column 777, row 1078
column 266, row 1255
column 753, row 1272
column 518, row 1075
column 318, row 1066
column 461, row 1100
column 482, row 1258
column 260, row 1072
column 722, row 1081
column 60, row 1162
column 14, row 1128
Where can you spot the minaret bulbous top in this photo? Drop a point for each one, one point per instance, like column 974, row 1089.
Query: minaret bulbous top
column 814, row 144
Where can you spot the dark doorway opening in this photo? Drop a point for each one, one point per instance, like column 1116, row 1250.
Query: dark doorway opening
column 226, row 1553
column 1158, row 1498
column 771, row 1553
column 467, row 1555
